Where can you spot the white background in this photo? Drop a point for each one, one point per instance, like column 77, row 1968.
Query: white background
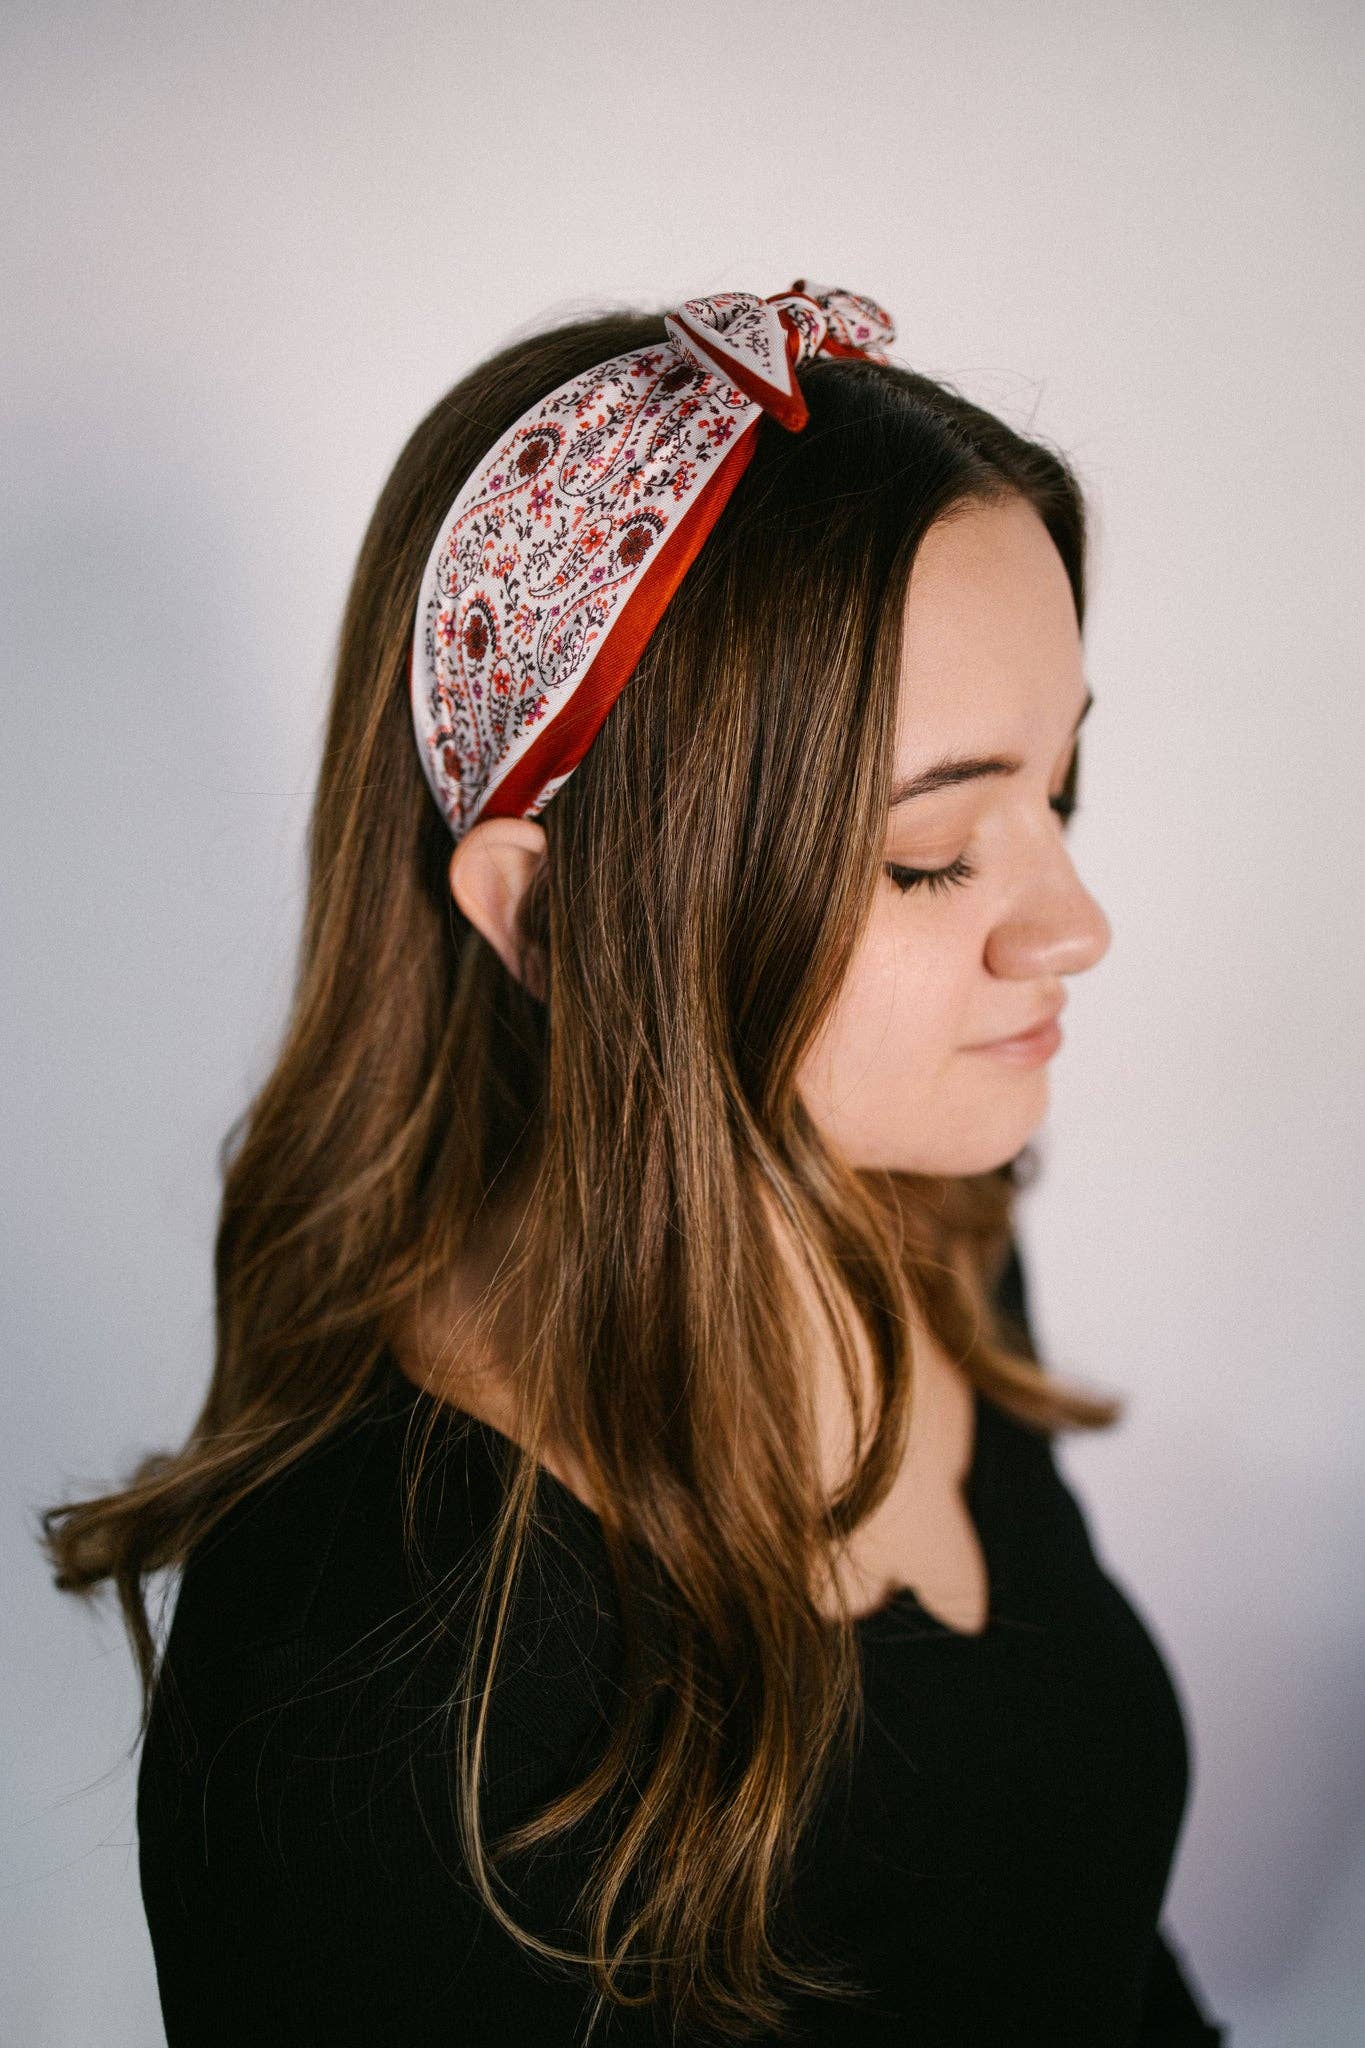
column 244, row 250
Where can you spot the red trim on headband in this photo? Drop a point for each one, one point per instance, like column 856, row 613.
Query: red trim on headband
column 563, row 743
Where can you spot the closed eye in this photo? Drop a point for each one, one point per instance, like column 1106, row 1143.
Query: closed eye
column 961, row 869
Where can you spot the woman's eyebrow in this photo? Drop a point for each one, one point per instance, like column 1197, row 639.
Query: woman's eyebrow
column 943, row 774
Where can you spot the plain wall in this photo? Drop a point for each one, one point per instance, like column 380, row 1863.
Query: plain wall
column 243, row 251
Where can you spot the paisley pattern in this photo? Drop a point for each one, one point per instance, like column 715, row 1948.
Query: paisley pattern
column 558, row 537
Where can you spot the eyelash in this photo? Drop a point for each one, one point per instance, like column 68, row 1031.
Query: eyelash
column 961, row 869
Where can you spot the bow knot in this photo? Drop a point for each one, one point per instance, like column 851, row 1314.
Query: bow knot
column 757, row 344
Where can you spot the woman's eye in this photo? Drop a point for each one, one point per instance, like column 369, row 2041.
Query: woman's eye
column 961, row 869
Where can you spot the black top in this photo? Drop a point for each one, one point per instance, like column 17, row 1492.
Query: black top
column 993, row 1868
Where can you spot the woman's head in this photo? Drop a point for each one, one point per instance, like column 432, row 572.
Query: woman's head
column 981, row 913
column 725, row 1037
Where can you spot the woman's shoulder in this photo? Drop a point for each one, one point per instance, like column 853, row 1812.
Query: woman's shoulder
column 260, row 1573
column 300, row 1852
column 337, row 1572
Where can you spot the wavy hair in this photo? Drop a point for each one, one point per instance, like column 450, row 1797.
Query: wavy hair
column 709, row 867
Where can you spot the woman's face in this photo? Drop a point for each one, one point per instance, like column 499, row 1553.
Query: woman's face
column 901, row 1076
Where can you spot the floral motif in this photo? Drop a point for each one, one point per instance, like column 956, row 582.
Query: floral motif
column 563, row 520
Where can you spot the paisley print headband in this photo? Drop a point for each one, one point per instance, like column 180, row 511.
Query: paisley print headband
column 561, row 551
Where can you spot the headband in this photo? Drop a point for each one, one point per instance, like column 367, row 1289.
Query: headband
column 563, row 547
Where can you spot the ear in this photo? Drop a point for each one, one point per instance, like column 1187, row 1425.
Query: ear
column 490, row 872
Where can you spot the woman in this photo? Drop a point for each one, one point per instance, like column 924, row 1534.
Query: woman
column 628, row 1590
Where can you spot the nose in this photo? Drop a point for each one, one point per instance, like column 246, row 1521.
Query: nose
column 1055, row 926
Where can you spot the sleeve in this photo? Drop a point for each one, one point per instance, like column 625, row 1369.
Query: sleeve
column 303, row 1878
column 1170, row 2011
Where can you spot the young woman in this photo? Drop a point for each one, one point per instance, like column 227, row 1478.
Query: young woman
column 628, row 1591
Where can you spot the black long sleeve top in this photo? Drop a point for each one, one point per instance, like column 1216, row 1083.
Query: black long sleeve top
column 993, row 1868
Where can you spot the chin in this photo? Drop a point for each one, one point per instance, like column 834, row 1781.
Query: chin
column 949, row 1134
column 985, row 1147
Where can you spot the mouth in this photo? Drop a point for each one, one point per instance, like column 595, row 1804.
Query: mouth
column 1038, row 1042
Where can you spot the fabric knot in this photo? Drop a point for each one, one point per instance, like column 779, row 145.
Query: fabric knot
column 758, row 344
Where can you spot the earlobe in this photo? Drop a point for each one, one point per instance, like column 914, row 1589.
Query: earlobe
column 490, row 871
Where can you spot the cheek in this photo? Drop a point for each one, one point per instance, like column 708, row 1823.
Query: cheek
column 888, row 1082
column 911, row 979
column 896, row 1023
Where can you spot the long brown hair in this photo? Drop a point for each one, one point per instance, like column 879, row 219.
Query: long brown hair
column 710, row 864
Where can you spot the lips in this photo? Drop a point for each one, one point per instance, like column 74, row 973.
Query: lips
column 1039, row 1024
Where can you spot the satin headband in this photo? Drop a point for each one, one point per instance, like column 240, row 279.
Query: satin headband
column 561, row 551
